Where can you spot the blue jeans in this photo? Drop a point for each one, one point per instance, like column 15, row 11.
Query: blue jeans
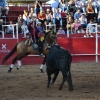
column 55, row 20
column 95, row 9
column 64, row 8
column 37, row 10
column 99, row 21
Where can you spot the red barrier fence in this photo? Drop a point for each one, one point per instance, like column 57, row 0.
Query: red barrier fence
column 82, row 49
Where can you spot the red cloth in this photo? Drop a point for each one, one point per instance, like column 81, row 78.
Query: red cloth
column 63, row 14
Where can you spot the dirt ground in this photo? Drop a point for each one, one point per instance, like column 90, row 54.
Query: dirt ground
column 29, row 84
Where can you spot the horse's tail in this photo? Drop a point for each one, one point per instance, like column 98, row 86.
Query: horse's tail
column 10, row 54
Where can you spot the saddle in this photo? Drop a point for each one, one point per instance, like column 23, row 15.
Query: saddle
column 29, row 42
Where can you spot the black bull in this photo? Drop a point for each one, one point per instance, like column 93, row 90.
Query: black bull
column 59, row 59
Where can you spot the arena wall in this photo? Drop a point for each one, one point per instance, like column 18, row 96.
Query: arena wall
column 82, row 49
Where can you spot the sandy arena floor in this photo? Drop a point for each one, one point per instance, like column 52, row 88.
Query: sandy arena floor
column 29, row 84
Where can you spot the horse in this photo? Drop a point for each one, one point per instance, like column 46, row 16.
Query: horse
column 24, row 50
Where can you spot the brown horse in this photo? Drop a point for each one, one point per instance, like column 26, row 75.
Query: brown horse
column 24, row 50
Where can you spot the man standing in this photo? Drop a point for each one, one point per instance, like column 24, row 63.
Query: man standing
column 3, row 7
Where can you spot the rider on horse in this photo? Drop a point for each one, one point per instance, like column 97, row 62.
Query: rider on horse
column 36, row 35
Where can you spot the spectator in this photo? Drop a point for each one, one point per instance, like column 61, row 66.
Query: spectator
column 80, row 5
column 31, row 13
column 75, row 26
column 98, row 18
column 20, row 18
column 10, row 29
column 57, row 17
column 4, row 7
column 94, row 4
column 61, row 31
column 69, row 24
column 90, row 11
column 54, row 4
column 98, row 4
column 83, row 20
column 19, row 26
column 37, row 6
column 98, row 29
column 71, row 7
column 77, row 14
column 63, row 5
column 42, row 17
column 90, row 29
column 39, row 27
column 26, row 17
column 49, row 16
column 24, row 28
column 80, row 30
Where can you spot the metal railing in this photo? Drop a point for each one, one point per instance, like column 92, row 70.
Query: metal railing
column 13, row 25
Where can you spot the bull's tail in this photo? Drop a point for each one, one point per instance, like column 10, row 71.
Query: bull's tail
column 10, row 54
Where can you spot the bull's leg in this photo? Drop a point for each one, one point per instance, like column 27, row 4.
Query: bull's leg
column 55, row 76
column 42, row 65
column 69, row 80
column 64, row 73
column 49, row 78
column 12, row 65
column 63, row 81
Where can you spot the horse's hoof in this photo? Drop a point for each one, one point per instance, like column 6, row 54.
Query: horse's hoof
column 41, row 70
column 17, row 68
column 9, row 71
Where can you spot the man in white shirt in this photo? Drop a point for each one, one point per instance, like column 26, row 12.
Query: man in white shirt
column 54, row 4
column 57, row 17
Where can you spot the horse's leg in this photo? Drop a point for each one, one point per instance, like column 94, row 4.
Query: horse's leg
column 42, row 65
column 19, row 64
column 55, row 76
column 19, row 61
column 12, row 65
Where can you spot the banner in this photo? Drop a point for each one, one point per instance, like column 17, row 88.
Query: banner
column 6, row 45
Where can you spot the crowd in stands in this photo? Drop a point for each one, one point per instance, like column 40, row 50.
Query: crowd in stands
column 73, row 16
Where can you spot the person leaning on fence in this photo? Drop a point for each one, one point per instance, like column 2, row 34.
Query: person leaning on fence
column 4, row 7
column 90, row 29
column 10, row 29
column 61, row 31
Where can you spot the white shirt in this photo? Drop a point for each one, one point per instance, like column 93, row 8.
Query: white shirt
column 83, row 21
column 24, row 29
column 54, row 3
column 10, row 29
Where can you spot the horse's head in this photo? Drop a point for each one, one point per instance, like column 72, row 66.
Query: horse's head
column 51, row 37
